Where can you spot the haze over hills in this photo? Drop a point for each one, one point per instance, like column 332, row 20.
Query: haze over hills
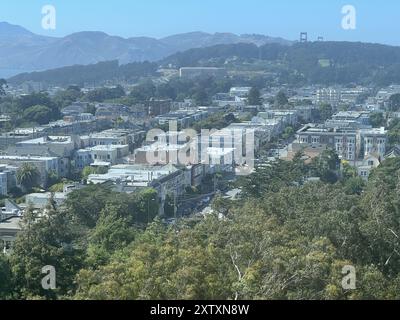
column 23, row 51
column 310, row 63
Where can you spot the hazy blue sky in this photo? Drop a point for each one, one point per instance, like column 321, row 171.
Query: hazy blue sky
column 377, row 21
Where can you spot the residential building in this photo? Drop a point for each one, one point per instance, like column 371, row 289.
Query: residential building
column 350, row 144
column 241, row 92
column 45, row 165
column 9, row 229
column 106, row 154
column 75, row 109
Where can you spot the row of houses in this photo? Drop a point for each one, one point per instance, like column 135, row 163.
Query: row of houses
column 352, row 137
column 59, row 155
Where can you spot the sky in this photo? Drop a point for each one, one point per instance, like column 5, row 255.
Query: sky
column 376, row 21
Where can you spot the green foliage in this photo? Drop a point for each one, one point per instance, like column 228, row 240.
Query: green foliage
column 325, row 112
column 283, row 239
column 33, row 109
column 288, row 132
column 5, row 278
column 94, row 74
column 300, row 63
column 325, row 166
column 281, row 100
column 94, row 224
column 28, row 176
column 254, row 98
column 201, row 90
column 394, row 132
column 64, row 98
column 100, row 95
column 394, row 102
column 377, row 120
column 3, row 85
column 44, row 241
column 38, row 114
column 216, row 121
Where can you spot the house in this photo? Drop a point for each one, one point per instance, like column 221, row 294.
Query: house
column 9, row 229
column 365, row 166
column 240, row 92
column 166, row 179
column 10, row 209
column 110, row 154
column 75, row 109
column 44, row 165
column 109, row 111
column 41, row 200
column 108, row 137
column 8, row 179
column 393, row 153
column 309, row 152
column 349, row 143
column 59, row 146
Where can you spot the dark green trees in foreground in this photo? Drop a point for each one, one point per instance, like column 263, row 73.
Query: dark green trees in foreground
column 284, row 239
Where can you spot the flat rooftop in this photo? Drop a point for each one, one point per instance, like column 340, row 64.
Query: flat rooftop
column 47, row 140
column 11, row 224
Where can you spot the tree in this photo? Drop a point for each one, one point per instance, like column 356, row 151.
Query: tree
column 326, row 165
column 289, row 131
column 200, row 97
column 325, row 111
column 37, row 114
column 394, row 102
column 28, row 176
column 377, row 120
column 114, row 231
column 254, row 98
column 45, row 240
column 143, row 92
column 3, row 85
column 91, row 108
column 5, row 277
column 64, row 98
column 102, row 94
column 281, row 99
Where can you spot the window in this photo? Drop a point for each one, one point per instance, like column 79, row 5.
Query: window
column 315, row 139
column 370, row 163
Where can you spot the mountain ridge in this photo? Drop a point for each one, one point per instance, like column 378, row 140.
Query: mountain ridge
column 326, row 63
column 23, row 51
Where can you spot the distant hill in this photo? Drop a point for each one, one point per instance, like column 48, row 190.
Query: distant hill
column 316, row 62
column 93, row 74
column 24, row 51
